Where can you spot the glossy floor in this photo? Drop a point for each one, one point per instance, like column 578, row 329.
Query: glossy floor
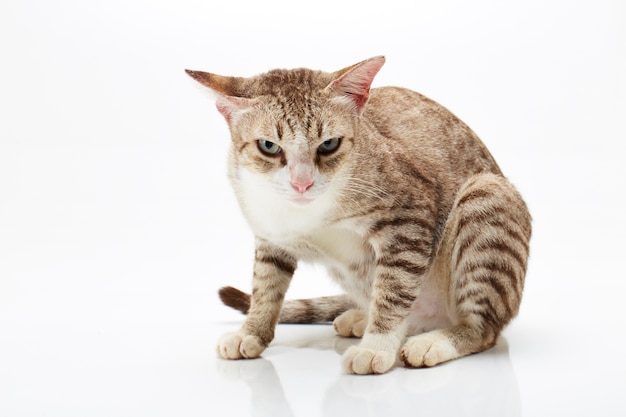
column 161, row 369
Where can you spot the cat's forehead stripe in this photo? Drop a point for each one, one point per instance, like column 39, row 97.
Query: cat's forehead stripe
column 279, row 131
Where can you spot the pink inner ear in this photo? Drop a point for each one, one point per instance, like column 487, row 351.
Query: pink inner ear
column 228, row 106
column 356, row 82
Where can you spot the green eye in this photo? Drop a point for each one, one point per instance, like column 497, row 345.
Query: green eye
column 329, row 146
column 268, row 148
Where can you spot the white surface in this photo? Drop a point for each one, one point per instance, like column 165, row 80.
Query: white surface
column 117, row 225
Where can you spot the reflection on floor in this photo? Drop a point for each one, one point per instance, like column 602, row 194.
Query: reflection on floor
column 483, row 384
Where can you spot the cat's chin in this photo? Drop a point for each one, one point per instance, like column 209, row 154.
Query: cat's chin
column 301, row 201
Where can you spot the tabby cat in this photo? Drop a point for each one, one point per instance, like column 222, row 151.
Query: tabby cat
column 395, row 196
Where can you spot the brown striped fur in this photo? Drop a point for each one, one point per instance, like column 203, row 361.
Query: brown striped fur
column 391, row 192
column 315, row 310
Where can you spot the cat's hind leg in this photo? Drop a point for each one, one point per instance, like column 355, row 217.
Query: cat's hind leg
column 351, row 323
column 483, row 254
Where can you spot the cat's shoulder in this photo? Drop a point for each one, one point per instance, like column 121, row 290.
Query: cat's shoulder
column 392, row 96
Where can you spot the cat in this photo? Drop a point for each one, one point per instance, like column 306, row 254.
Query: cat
column 393, row 194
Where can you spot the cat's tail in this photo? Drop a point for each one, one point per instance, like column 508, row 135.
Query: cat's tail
column 311, row 310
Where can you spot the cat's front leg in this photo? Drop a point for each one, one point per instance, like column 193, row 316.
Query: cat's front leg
column 398, row 274
column 273, row 269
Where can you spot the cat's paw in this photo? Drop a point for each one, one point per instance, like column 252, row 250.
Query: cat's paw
column 428, row 349
column 238, row 346
column 363, row 361
column 351, row 323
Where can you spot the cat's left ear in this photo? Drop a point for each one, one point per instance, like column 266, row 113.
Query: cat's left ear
column 227, row 91
column 354, row 82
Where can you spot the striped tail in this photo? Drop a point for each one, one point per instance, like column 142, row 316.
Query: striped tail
column 311, row 310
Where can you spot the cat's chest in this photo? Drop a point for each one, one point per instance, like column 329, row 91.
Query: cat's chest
column 311, row 232
column 309, row 238
column 337, row 248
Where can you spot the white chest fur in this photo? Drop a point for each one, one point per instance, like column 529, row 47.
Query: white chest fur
column 309, row 231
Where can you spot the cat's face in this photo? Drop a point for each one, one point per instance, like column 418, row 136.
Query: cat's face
column 295, row 160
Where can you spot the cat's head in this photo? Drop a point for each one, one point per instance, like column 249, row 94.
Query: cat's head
column 292, row 130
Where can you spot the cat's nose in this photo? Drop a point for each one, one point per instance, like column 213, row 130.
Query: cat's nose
column 302, row 186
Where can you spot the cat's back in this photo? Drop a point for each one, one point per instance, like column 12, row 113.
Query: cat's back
column 396, row 110
column 411, row 122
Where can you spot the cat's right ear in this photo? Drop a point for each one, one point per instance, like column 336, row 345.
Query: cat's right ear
column 226, row 91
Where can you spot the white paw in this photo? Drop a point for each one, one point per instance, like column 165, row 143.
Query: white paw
column 363, row 361
column 428, row 349
column 237, row 346
column 351, row 323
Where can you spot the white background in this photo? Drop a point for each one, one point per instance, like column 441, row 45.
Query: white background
column 117, row 224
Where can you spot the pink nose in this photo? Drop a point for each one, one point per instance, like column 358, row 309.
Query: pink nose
column 302, row 186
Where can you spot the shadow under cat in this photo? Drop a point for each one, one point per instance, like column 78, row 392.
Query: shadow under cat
column 483, row 384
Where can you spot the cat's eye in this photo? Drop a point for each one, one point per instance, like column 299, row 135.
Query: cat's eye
column 329, row 146
column 269, row 148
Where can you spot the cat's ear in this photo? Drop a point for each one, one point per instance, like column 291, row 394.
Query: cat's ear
column 227, row 91
column 354, row 82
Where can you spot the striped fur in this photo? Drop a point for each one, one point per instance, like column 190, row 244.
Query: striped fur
column 314, row 310
column 395, row 196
